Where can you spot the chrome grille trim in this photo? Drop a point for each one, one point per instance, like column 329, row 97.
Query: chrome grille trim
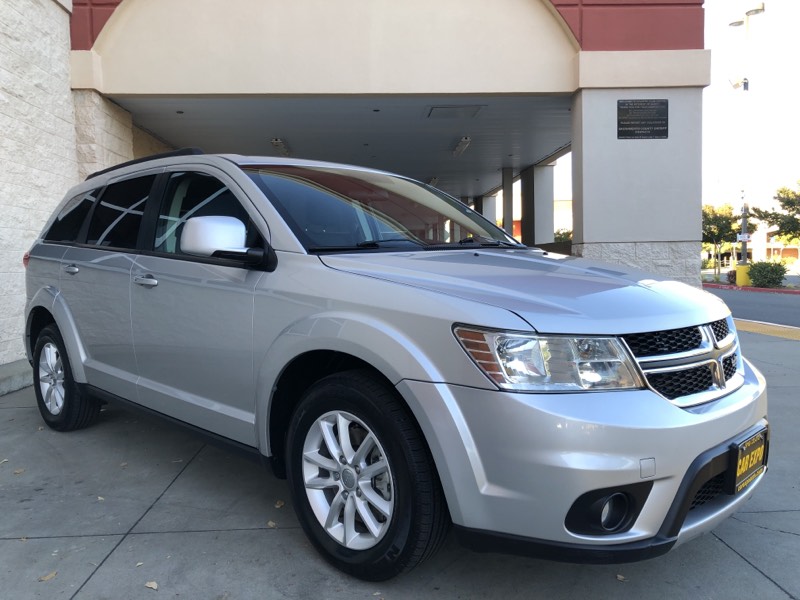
column 680, row 377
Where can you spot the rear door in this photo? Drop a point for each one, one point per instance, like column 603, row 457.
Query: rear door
column 193, row 317
column 95, row 282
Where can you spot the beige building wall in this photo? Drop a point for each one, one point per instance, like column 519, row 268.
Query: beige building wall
column 106, row 134
column 103, row 132
column 52, row 137
column 348, row 47
column 145, row 144
column 37, row 144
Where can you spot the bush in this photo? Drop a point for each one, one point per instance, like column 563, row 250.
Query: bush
column 732, row 277
column 706, row 263
column 766, row 274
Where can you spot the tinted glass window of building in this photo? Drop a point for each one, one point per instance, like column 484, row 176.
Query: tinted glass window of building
column 115, row 222
column 69, row 221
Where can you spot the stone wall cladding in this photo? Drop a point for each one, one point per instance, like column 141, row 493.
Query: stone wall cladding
column 104, row 132
column 145, row 144
column 38, row 161
column 673, row 260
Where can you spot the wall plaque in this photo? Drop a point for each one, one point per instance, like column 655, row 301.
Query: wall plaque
column 645, row 119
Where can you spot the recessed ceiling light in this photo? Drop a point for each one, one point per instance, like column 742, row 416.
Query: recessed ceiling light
column 281, row 146
column 462, row 145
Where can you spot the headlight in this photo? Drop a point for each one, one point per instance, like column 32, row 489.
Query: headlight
column 549, row 363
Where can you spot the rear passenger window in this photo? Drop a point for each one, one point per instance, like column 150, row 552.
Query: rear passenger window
column 116, row 219
column 196, row 195
column 68, row 223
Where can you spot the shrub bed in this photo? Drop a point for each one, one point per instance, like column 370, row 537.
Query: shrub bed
column 765, row 274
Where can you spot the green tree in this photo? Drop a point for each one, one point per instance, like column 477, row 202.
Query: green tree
column 718, row 228
column 787, row 220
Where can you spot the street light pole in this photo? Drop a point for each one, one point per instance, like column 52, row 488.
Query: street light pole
column 745, row 85
column 744, row 234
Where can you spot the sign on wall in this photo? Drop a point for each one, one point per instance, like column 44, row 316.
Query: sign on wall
column 645, row 119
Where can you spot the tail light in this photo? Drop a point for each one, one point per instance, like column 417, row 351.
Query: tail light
column 26, row 258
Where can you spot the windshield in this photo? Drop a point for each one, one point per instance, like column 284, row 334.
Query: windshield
column 340, row 209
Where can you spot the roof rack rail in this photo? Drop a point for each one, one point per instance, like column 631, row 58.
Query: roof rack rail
column 136, row 161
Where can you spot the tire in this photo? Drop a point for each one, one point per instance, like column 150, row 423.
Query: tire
column 64, row 406
column 370, row 501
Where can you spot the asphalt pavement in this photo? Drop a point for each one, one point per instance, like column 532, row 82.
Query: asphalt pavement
column 765, row 306
column 133, row 504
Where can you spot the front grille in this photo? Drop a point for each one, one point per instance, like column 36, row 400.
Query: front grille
column 658, row 343
column 710, row 490
column 720, row 329
column 729, row 366
column 675, row 384
column 690, row 365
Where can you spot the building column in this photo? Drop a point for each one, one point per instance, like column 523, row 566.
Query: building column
column 528, row 204
column 543, row 207
column 477, row 204
column 508, row 200
column 489, row 204
column 537, row 205
column 637, row 201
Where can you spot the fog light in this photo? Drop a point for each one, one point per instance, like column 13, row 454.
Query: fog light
column 614, row 511
column 608, row 511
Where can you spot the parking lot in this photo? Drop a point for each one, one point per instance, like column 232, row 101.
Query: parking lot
column 134, row 503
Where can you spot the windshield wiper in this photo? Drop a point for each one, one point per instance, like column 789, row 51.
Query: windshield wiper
column 365, row 245
column 478, row 240
column 389, row 241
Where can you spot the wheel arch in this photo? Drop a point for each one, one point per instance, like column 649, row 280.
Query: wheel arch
column 323, row 344
column 293, row 382
column 46, row 307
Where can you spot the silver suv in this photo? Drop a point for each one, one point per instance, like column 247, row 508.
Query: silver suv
column 405, row 363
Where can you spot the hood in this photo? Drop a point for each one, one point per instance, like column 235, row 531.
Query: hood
column 553, row 293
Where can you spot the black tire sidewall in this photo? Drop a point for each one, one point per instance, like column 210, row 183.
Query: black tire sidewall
column 389, row 556
column 50, row 334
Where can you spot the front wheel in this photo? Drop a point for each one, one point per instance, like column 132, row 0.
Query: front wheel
column 64, row 406
column 362, row 479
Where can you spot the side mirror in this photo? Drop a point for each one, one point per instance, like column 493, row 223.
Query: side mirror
column 223, row 237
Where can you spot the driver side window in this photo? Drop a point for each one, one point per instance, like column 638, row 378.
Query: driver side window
column 191, row 194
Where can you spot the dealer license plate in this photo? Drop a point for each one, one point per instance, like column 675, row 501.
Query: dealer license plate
column 750, row 461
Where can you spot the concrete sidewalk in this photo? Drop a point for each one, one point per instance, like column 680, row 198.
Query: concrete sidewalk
column 132, row 501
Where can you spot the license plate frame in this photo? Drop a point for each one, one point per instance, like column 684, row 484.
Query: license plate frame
column 748, row 461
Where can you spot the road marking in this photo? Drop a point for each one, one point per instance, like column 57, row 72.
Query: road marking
column 781, row 331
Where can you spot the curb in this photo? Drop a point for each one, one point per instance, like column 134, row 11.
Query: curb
column 722, row 286
column 15, row 376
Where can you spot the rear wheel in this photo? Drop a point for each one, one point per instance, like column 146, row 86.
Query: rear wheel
column 62, row 404
column 363, row 483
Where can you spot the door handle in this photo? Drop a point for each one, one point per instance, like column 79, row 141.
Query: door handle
column 145, row 280
column 71, row 269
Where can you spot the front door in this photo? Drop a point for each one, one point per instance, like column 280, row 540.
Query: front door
column 193, row 318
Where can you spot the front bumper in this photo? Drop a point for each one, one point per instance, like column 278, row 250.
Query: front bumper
column 512, row 465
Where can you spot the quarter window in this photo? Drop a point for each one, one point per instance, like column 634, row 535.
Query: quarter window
column 116, row 219
column 68, row 223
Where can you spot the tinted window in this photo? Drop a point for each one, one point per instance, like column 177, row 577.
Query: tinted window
column 347, row 209
column 196, row 195
column 116, row 219
column 69, row 221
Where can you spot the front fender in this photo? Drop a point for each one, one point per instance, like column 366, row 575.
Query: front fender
column 386, row 348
